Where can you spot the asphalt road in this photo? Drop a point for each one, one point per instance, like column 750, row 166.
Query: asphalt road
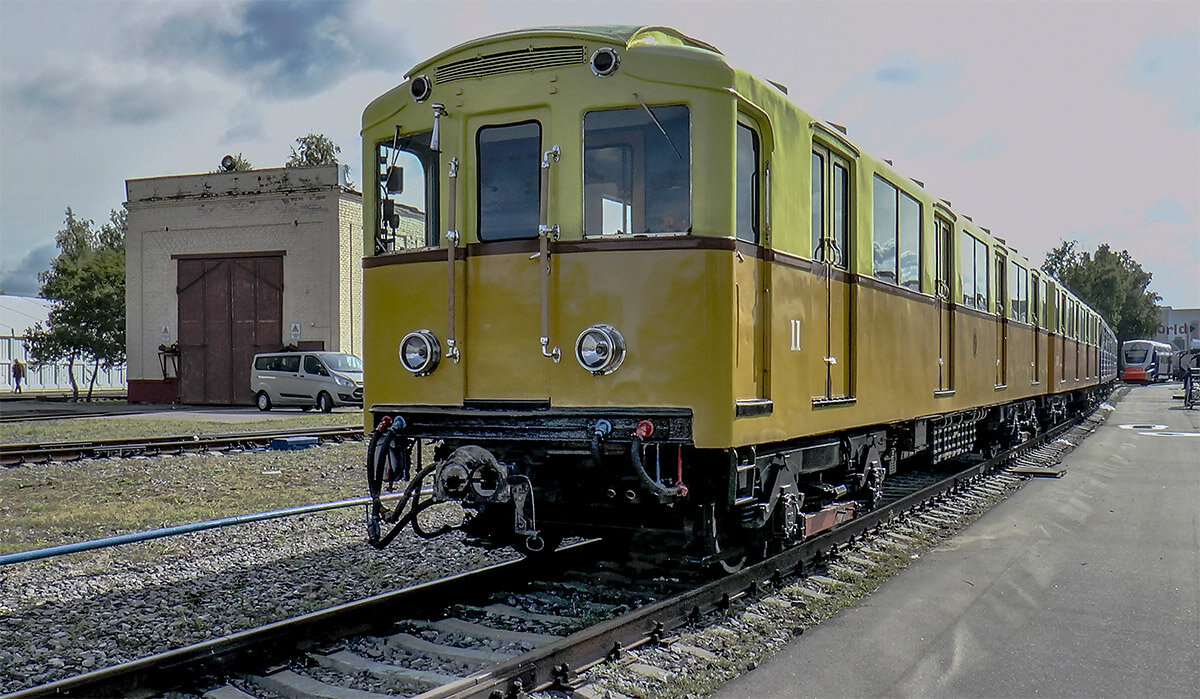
column 1086, row 586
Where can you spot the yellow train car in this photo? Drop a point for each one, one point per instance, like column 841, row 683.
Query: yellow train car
column 622, row 286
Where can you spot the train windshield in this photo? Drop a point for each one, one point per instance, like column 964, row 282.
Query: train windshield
column 407, row 208
column 509, row 171
column 1136, row 354
column 637, row 171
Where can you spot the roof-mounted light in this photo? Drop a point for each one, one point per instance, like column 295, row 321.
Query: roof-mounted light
column 605, row 62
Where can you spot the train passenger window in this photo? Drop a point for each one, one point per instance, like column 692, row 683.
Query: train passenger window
column 910, row 242
column 747, row 184
column 406, row 214
column 841, row 214
column 510, row 159
column 973, row 256
column 981, row 275
column 1035, row 290
column 883, row 248
column 637, row 170
column 818, row 205
column 897, row 239
column 1018, row 282
column 830, row 192
column 944, row 256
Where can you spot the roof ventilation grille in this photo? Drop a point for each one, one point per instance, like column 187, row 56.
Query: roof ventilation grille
column 509, row 62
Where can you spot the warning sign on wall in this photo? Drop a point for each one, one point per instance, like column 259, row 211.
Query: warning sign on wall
column 295, row 331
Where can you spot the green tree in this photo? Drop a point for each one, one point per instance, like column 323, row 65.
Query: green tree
column 1112, row 283
column 313, row 150
column 86, row 280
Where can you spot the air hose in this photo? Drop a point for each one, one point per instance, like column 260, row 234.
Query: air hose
column 643, row 431
column 377, row 471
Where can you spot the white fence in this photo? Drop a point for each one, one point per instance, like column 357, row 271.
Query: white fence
column 52, row 377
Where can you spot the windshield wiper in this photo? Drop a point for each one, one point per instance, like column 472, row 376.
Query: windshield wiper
column 660, row 126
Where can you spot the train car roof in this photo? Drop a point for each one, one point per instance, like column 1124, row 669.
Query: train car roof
column 627, row 35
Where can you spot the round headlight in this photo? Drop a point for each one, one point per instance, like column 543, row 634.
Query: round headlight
column 420, row 88
column 605, row 62
column 420, row 352
column 600, row 349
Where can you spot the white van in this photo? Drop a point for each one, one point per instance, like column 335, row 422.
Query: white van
column 307, row 379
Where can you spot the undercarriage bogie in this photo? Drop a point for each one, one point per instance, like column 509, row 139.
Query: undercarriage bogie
column 529, row 484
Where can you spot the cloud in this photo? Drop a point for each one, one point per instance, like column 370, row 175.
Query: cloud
column 57, row 95
column 280, row 48
column 1168, row 67
column 21, row 280
column 985, row 148
column 897, row 98
column 1167, row 210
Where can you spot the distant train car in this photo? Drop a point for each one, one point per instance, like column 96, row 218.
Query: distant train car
column 1146, row 361
column 624, row 289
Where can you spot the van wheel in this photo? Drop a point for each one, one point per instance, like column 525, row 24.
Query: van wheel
column 324, row 402
column 263, row 401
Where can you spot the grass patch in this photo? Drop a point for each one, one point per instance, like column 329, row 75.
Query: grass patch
column 52, row 504
column 77, row 429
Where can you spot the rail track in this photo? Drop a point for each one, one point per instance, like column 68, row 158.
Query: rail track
column 18, row 454
column 536, row 625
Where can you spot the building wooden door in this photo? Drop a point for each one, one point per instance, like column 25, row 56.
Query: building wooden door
column 230, row 308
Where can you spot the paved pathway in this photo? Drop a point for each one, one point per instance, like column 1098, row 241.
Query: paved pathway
column 1087, row 586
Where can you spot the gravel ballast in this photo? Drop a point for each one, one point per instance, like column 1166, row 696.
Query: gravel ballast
column 72, row 614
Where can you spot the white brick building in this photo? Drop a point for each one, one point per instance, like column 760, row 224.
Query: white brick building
column 221, row 266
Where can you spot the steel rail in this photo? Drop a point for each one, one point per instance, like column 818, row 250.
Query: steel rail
column 16, row 454
column 281, row 639
column 554, row 665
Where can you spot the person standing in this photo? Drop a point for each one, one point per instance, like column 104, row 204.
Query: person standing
column 18, row 374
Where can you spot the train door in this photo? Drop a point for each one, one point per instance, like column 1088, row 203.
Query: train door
column 1035, row 320
column 831, row 217
column 1001, row 263
column 944, row 244
column 1062, row 337
column 751, row 277
column 505, row 272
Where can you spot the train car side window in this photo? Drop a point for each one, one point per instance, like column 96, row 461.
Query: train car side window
column 509, row 158
column 637, row 171
column 982, row 281
column 884, row 244
column 897, row 238
column 910, row 242
column 943, row 257
column 406, row 214
column 747, row 184
column 1018, row 282
column 830, row 193
column 966, row 260
column 841, row 213
column 818, row 204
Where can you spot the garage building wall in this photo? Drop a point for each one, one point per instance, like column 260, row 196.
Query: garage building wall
column 306, row 214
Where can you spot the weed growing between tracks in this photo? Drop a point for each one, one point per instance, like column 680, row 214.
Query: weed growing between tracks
column 703, row 659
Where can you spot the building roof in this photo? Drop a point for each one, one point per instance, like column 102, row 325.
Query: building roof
column 20, row 312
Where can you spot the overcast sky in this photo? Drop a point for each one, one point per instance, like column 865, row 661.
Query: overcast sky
column 1044, row 121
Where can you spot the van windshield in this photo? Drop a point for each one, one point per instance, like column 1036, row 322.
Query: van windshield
column 342, row 362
